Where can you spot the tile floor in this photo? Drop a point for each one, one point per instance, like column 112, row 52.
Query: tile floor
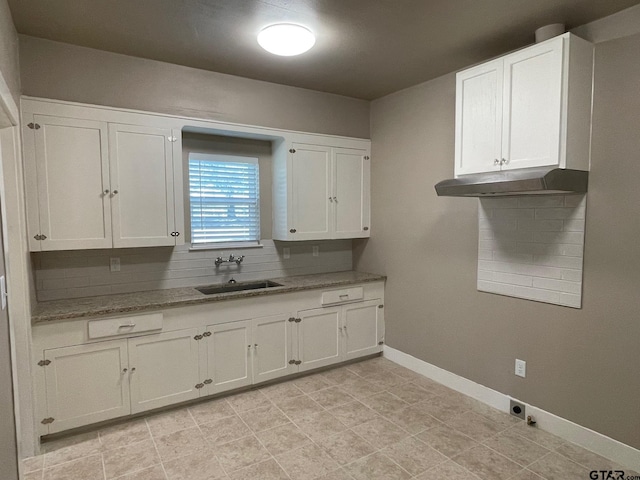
column 365, row 421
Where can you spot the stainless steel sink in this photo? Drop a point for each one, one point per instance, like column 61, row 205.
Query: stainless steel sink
column 237, row 287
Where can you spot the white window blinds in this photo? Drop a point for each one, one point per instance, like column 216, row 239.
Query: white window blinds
column 224, row 196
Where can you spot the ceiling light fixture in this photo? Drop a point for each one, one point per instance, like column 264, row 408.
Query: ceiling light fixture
column 286, row 39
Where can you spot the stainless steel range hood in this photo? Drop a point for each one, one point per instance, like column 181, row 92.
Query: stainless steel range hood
column 530, row 181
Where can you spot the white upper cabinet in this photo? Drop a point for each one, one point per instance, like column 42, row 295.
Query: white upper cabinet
column 68, row 170
column 142, row 183
column 321, row 192
column 531, row 108
column 92, row 183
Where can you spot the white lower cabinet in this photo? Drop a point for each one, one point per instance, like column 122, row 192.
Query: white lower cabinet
column 163, row 369
column 229, row 356
column 86, row 384
column 90, row 383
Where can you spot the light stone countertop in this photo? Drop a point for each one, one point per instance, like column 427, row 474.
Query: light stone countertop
column 178, row 297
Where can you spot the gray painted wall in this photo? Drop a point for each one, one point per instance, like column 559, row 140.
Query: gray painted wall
column 65, row 72
column 9, row 51
column 581, row 364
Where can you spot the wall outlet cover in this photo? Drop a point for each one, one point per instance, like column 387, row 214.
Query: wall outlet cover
column 286, row 252
column 114, row 264
column 316, row 250
column 521, row 368
column 517, row 409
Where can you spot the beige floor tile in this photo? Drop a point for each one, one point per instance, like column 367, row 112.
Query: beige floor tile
column 431, row 386
column 475, row 426
column 153, row 473
column 555, row 466
column 413, row 420
column 181, row 444
column 249, row 400
column 487, row 464
column 71, row 448
column 169, row 422
column 331, row 397
column 541, row 437
column 587, row 459
column 35, row 475
column 353, row 413
column 386, row 379
column 264, row 418
column 32, row 464
column 281, row 391
column 346, row 447
column 225, row 430
column 320, row 425
column 376, row 467
column 447, row 471
column 89, row 468
column 340, row 474
column 526, row 475
column 414, row 456
column 131, row 458
column 311, row 383
column 267, row 470
column 517, row 448
column 411, row 393
column 198, row 466
column 501, row 418
column 361, row 389
column 340, row 376
column 380, row 432
column 443, row 407
column 299, row 407
column 211, row 411
column 241, row 453
column 124, row 434
column 283, row 439
column 447, row 441
column 307, row 463
column 385, row 403
column 369, row 367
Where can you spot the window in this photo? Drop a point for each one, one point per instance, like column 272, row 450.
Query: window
column 224, row 195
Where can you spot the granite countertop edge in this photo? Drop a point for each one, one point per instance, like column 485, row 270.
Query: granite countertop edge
column 104, row 305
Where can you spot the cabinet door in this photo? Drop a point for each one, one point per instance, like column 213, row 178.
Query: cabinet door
column 362, row 327
column 163, row 369
column 479, row 118
column 319, row 341
column 142, row 186
column 71, row 164
column 86, row 384
column 351, row 193
column 229, row 349
column 272, row 348
column 532, row 106
column 310, row 180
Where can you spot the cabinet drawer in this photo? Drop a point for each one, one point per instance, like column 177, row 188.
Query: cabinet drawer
column 110, row 327
column 342, row 296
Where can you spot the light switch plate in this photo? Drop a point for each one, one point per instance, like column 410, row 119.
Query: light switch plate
column 114, row 264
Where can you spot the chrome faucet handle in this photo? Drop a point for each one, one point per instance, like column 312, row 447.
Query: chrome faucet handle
column 218, row 261
column 239, row 259
column 231, row 258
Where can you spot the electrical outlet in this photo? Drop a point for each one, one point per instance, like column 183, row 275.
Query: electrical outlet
column 516, row 409
column 521, row 368
column 316, row 250
column 286, row 252
column 114, row 264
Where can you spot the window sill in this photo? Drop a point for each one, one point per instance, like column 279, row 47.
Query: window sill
column 226, row 246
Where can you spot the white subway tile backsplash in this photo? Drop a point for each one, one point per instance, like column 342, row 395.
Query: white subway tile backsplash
column 539, row 257
column 81, row 273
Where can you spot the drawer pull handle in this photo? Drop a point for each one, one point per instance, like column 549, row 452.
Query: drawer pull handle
column 129, row 325
column 346, row 295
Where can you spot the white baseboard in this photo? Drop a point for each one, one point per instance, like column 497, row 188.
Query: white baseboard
column 614, row 450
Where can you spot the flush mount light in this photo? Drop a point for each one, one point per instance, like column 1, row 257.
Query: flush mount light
column 286, row 39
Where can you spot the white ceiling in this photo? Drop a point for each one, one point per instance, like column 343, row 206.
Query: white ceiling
column 365, row 48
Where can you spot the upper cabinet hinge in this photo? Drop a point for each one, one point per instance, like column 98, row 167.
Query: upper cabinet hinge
column 292, row 319
column 208, row 381
column 44, row 363
column 199, row 385
column 47, row 421
column 380, row 306
column 298, row 320
column 175, row 234
column 172, row 139
column 292, row 150
column 33, row 126
column 366, row 157
column 198, row 337
column 40, row 237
